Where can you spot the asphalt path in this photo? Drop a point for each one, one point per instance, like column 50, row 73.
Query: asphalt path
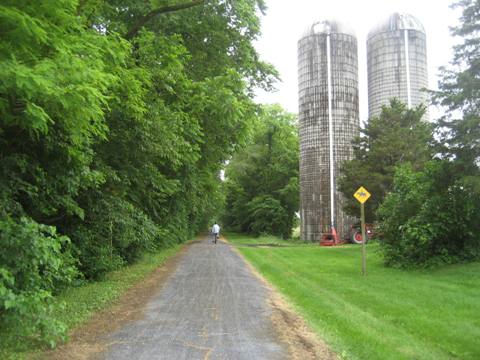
column 211, row 307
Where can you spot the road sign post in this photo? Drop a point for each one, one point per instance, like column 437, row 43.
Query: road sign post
column 364, row 250
column 362, row 195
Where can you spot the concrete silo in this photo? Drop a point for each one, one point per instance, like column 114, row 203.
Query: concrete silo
column 397, row 63
column 328, row 121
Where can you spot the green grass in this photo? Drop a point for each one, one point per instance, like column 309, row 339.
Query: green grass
column 81, row 302
column 242, row 240
column 389, row 314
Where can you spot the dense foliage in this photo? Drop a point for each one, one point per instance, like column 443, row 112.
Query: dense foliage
column 33, row 267
column 428, row 219
column 398, row 135
column 262, row 179
column 116, row 118
column 459, row 94
column 432, row 214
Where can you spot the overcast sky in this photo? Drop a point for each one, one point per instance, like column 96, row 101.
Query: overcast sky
column 286, row 21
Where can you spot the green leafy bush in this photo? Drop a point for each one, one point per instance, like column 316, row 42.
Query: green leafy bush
column 35, row 262
column 266, row 215
column 113, row 233
column 430, row 218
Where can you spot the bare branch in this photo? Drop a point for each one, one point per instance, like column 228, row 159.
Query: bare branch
column 166, row 9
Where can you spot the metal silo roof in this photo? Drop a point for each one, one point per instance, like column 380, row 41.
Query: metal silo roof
column 397, row 21
column 328, row 26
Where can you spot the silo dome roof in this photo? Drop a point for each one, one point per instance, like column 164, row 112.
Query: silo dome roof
column 328, row 26
column 397, row 21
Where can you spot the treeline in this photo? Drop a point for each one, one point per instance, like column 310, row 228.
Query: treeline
column 261, row 185
column 425, row 177
column 116, row 119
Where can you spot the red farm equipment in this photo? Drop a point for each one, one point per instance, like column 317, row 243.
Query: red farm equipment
column 331, row 238
column 356, row 233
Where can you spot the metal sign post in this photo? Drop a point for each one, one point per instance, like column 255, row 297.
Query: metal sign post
column 362, row 195
column 364, row 250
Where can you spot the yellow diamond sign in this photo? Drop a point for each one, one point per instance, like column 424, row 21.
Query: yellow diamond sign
column 361, row 195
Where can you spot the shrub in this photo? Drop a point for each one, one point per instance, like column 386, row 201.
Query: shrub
column 430, row 218
column 266, row 215
column 35, row 262
column 114, row 233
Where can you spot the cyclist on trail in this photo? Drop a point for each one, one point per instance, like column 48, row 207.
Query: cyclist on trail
column 215, row 232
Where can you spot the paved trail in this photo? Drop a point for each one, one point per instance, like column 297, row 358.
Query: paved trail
column 211, row 307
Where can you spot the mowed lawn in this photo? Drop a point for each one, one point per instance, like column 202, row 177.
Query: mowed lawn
column 389, row 314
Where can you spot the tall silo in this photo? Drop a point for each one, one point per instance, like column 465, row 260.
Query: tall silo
column 397, row 63
column 328, row 121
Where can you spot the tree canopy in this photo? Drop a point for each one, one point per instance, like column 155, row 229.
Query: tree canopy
column 261, row 184
column 398, row 135
column 459, row 95
column 116, row 119
column 431, row 215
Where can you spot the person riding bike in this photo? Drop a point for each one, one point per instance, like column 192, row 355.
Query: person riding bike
column 215, row 232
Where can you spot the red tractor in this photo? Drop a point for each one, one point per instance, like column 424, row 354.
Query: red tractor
column 356, row 233
column 331, row 238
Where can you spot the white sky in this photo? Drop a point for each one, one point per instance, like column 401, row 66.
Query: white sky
column 286, row 21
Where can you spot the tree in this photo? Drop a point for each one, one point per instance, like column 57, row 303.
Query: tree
column 459, row 130
column 428, row 218
column 177, row 120
column 54, row 95
column 397, row 136
column 262, row 179
column 133, row 31
column 116, row 118
column 53, row 98
column 431, row 216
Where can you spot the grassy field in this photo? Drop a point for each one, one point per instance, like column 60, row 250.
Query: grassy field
column 390, row 314
column 81, row 302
